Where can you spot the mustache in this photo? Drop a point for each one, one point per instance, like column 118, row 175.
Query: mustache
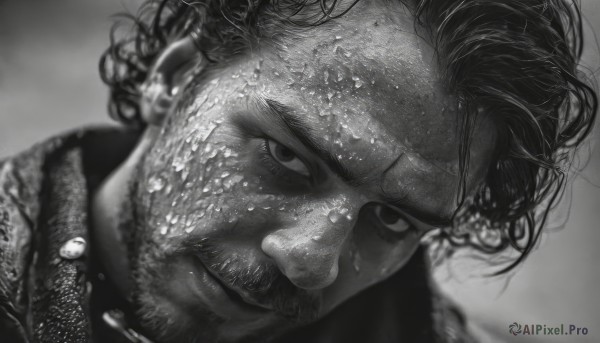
column 263, row 282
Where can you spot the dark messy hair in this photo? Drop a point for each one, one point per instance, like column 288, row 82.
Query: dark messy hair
column 516, row 60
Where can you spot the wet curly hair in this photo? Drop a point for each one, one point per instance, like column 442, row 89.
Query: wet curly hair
column 517, row 60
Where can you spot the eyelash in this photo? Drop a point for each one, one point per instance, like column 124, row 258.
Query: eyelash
column 275, row 168
column 383, row 231
column 267, row 159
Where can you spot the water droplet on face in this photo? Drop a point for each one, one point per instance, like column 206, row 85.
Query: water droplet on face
column 164, row 229
column 316, row 238
column 251, row 207
column 210, row 207
column 334, row 216
column 232, row 181
column 372, row 140
column 338, row 37
column 178, row 164
column 184, row 174
column 356, row 259
column 156, row 183
column 357, row 82
column 206, row 131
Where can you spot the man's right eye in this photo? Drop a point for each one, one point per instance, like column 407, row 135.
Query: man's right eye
column 286, row 157
column 392, row 219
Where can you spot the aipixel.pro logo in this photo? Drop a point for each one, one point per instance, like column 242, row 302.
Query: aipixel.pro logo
column 516, row 329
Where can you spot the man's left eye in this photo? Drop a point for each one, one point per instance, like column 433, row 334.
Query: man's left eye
column 391, row 219
column 287, row 158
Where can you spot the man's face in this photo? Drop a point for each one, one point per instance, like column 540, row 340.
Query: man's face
column 294, row 178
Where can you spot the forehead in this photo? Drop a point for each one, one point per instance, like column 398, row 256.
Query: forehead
column 368, row 65
column 366, row 87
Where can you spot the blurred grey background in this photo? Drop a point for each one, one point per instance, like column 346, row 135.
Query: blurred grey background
column 49, row 83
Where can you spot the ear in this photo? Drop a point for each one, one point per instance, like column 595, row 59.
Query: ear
column 170, row 73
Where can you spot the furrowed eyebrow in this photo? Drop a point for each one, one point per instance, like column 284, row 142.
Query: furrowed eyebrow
column 302, row 131
column 419, row 212
column 405, row 203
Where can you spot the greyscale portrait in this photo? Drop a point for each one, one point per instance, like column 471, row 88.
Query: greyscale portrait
column 310, row 171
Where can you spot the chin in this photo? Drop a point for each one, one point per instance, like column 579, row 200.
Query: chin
column 170, row 310
column 183, row 327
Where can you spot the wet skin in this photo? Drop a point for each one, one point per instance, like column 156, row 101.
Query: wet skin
column 296, row 177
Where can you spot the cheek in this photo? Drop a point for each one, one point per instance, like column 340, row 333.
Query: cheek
column 206, row 180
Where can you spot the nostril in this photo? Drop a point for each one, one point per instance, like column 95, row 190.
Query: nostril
column 304, row 263
column 311, row 272
column 314, row 279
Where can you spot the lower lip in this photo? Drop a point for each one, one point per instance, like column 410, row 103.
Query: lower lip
column 213, row 294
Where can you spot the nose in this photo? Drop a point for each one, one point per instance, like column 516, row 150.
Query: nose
column 307, row 252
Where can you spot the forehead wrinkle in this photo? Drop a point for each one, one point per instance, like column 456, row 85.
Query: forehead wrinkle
column 420, row 163
column 411, row 169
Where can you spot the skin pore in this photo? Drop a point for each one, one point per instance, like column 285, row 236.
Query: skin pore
column 287, row 181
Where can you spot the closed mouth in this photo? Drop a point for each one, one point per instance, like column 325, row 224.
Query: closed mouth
column 237, row 296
